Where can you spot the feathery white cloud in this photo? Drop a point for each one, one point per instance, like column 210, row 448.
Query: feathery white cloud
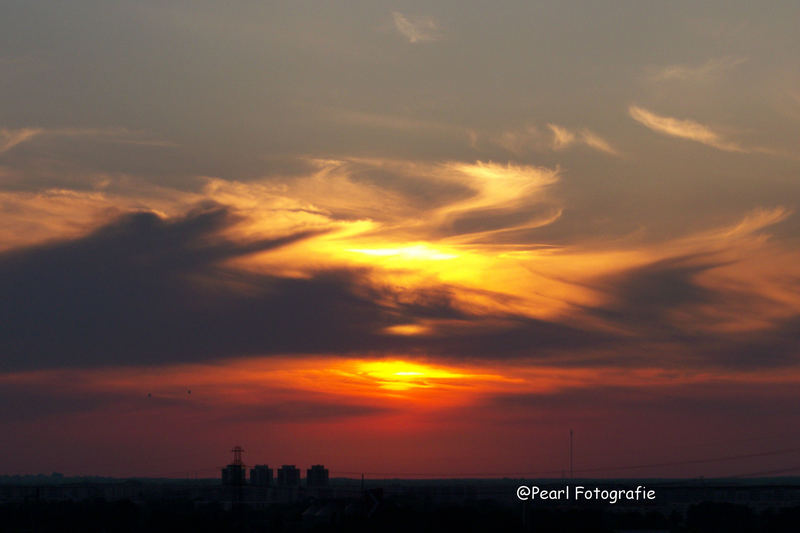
column 564, row 138
column 683, row 129
column 522, row 140
column 711, row 69
column 593, row 140
column 416, row 29
column 11, row 138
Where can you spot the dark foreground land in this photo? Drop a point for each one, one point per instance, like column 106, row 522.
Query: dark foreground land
column 126, row 516
column 392, row 506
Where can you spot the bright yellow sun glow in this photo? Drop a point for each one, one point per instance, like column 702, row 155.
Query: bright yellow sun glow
column 403, row 375
column 413, row 252
column 408, row 329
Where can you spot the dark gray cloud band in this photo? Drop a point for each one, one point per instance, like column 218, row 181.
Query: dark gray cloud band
column 143, row 290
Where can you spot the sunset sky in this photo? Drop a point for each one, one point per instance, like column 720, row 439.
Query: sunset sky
column 406, row 239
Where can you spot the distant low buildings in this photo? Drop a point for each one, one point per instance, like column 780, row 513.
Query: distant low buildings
column 233, row 475
column 261, row 476
column 288, row 476
column 317, row 476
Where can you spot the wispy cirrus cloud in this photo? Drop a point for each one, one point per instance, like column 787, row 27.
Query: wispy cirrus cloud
column 416, row 29
column 564, row 138
column 683, row 129
column 11, row 138
column 710, row 70
column 531, row 138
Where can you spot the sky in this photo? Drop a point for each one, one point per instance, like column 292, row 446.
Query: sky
column 401, row 238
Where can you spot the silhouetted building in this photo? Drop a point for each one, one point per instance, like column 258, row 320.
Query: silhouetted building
column 261, row 476
column 317, row 476
column 288, row 476
column 234, row 473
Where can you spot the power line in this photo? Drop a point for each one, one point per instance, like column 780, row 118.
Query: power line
column 582, row 470
column 554, row 473
column 770, row 472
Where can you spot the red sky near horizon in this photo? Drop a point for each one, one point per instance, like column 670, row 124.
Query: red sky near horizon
column 401, row 243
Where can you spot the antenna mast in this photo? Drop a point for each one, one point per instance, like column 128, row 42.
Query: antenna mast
column 570, row 454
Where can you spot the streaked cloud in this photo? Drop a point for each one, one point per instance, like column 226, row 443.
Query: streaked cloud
column 530, row 138
column 598, row 143
column 564, row 138
column 416, row 29
column 11, row 138
column 518, row 141
column 757, row 220
column 710, row 70
column 683, row 129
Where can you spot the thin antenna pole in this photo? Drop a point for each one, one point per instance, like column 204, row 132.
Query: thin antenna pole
column 570, row 455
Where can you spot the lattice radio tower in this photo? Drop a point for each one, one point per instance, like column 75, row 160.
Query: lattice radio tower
column 237, row 455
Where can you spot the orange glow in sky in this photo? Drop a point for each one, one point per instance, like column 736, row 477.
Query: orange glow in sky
column 338, row 239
